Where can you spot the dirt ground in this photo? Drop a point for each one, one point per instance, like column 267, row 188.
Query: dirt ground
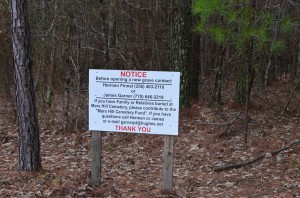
column 132, row 163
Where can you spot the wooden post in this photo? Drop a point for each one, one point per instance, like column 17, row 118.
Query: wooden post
column 96, row 158
column 168, row 162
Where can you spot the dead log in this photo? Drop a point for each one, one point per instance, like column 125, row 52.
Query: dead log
column 256, row 158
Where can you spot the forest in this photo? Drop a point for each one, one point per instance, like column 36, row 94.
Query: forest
column 239, row 64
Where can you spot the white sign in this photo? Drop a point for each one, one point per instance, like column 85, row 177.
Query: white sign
column 134, row 101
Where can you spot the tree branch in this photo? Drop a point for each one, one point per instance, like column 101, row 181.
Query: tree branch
column 256, row 158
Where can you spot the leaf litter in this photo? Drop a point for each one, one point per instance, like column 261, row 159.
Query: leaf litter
column 132, row 163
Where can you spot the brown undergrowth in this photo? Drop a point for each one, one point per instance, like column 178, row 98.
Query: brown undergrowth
column 132, row 163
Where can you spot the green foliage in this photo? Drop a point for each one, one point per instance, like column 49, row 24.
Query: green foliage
column 287, row 25
column 232, row 16
column 267, row 19
column 277, row 46
column 220, row 34
column 240, row 24
column 205, row 8
column 199, row 27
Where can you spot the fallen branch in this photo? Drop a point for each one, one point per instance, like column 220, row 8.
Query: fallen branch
column 256, row 158
column 293, row 143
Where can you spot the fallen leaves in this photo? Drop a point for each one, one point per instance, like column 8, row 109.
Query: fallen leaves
column 132, row 163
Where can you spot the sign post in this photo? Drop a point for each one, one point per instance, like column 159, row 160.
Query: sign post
column 136, row 102
column 96, row 158
column 168, row 162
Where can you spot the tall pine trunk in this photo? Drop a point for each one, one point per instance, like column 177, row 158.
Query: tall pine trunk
column 29, row 143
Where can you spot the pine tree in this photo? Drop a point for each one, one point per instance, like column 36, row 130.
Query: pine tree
column 29, row 144
column 238, row 24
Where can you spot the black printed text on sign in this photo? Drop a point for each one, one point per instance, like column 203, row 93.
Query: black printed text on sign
column 134, row 101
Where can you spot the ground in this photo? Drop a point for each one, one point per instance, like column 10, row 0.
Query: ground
column 132, row 163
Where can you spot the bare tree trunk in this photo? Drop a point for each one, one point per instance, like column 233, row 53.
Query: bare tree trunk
column 270, row 63
column 250, row 74
column 67, row 83
column 79, row 80
column 195, row 69
column 49, row 92
column 298, row 57
column 29, row 143
column 180, row 28
column 217, row 95
column 66, row 98
column 81, row 60
column 110, row 34
column 246, row 73
column 298, row 50
column 40, row 61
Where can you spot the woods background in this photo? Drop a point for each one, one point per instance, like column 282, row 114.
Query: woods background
column 69, row 37
column 239, row 128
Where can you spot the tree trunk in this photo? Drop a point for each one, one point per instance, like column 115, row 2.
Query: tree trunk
column 246, row 74
column 53, row 53
column 271, row 54
column 110, row 34
column 29, row 144
column 67, row 83
column 180, row 29
column 217, row 95
column 298, row 50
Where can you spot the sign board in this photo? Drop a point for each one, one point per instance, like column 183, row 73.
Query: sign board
column 134, row 101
